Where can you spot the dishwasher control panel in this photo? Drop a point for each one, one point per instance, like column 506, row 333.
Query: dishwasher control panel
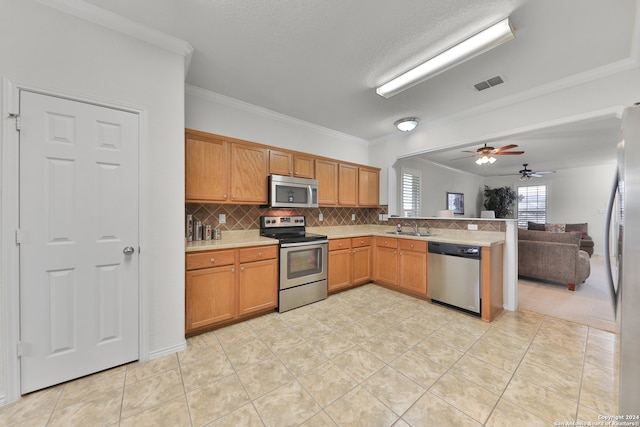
column 454, row 249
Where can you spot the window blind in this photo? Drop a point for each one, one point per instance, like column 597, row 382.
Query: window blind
column 410, row 194
column 532, row 204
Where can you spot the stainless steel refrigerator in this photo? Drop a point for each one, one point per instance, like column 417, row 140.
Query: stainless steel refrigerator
column 622, row 232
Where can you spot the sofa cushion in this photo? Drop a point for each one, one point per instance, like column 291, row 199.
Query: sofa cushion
column 583, row 227
column 554, row 228
column 547, row 236
column 535, row 226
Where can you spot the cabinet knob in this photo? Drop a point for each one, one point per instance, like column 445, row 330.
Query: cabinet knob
column 412, row 245
column 340, row 244
column 233, row 269
column 233, row 196
column 224, row 196
column 259, row 254
column 395, row 252
column 241, row 268
column 212, row 260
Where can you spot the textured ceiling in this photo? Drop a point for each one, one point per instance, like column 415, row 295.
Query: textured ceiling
column 320, row 60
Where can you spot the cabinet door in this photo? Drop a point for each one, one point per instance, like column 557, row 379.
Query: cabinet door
column 361, row 264
column 206, row 169
column 413, row 271
column 248, row 174
column 339, row 269
column 280, row 163
column 386, row 268
column 258, row 286
column 347, row 185
column 210, row 296
column 368, row 187
column 327, row 176
column 303, row 167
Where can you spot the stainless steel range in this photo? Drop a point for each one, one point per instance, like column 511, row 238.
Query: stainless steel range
column 303, row 261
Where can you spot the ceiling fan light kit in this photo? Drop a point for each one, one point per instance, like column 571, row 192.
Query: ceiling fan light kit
column 407, row 124
column 485, row 159
column 470, row 48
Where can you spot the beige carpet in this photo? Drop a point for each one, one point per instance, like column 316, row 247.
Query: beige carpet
column 589, row 305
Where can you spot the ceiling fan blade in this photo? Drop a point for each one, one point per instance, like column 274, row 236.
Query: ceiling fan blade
column 544, row 172
column 535, row 175
column 506, row 147
column 502, row 153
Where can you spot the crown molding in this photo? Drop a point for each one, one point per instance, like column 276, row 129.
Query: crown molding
column 270, row 114
column 104, row 18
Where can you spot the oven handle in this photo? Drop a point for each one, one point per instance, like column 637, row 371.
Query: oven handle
column 311, row 243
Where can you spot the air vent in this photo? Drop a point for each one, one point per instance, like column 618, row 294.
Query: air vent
column 493, row 81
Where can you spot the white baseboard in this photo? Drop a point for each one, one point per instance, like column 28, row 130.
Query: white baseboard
column 168, row 350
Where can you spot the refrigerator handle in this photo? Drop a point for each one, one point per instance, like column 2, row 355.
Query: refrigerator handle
column 607, row 252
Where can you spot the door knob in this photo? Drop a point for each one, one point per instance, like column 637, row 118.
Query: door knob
column 128, row 250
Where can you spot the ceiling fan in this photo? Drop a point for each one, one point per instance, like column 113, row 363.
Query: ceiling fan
column 526, row 173
column 486, row 153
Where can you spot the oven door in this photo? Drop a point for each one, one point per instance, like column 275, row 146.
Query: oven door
column 302, row 263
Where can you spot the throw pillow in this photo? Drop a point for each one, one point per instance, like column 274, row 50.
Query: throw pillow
column 535, row 226
column 554, row 228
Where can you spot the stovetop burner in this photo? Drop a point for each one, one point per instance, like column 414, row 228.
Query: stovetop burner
column 287, row 229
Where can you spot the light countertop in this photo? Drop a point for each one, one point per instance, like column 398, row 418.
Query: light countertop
column 238, row 239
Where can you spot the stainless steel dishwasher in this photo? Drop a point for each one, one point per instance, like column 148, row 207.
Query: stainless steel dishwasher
column 454, row 275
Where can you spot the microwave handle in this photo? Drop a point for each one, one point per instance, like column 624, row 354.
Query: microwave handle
column 310, row 194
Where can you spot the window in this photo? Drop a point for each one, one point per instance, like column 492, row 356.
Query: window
column 532, row 204
column 410, row 193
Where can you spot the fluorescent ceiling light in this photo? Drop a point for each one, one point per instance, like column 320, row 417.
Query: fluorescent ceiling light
column 473, row 46
column 407, row 124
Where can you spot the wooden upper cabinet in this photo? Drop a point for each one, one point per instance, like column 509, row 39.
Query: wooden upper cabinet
column 207, row 169
column 327, row 176
column 249, row 171
column 347, row 185
column 303, row 166
column 368, row 187
column 280, row 163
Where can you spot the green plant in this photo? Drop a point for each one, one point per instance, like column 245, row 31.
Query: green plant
column 500, row 200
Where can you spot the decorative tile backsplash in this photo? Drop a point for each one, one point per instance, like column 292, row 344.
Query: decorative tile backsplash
column 247, row 217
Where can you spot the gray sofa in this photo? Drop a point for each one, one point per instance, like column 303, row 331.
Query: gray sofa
column 586, row 242
column 552, row 256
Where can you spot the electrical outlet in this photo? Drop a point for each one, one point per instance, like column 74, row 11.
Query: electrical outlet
column 320, row 217
column 380, row 217
column 353, row 217
column 472, row 226
column 385, row 217
column 222, row 218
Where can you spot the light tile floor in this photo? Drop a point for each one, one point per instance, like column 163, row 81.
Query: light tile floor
column 366, row 357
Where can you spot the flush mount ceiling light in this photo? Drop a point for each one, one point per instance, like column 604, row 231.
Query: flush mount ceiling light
column 407, row 124
column 473, row 46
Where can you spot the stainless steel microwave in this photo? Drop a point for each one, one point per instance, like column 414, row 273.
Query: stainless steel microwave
column 290, row 192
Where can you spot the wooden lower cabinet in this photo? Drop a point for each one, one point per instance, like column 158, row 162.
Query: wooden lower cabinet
column 349, row 262
column 211, row 296
column 386, row 264
column 227, row 285
column 256, row 290
column 413, row 266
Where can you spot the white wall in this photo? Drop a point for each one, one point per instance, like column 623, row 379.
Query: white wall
column 43, row 47
column 438, row 180
column 574, row 196
column 210, row 112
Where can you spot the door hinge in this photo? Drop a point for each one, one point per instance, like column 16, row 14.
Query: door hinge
column 19, row 349
column 18, row 236
column 18, row 121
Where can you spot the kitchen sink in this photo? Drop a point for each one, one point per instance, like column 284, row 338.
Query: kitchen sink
column 410, row 233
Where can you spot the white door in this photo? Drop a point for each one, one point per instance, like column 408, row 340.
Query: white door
column 79, row 239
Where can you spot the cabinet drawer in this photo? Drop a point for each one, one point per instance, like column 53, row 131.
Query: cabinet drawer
column 387, row 242
column 258, row 253
column 413, row 245
column 358, row 242
column 210, row 259
column 336, row 244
